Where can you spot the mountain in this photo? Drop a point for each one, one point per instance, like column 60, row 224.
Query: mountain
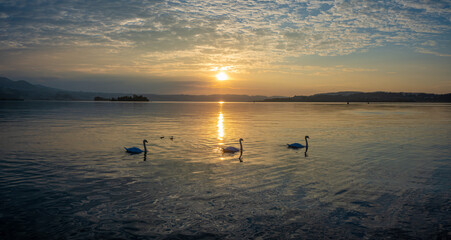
column 367, row 97
column 20, row 90
column 23, row 90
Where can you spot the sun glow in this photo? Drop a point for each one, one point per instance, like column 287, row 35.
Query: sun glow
column 222, row 76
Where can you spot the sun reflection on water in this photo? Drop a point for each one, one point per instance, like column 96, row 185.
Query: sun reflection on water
column 221, row 128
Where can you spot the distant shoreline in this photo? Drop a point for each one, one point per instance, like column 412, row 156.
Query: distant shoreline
column 22, row 90
column 216, row 102
column 363, row 97
column 12, row 99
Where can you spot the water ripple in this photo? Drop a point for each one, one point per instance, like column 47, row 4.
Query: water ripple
column 366, row 174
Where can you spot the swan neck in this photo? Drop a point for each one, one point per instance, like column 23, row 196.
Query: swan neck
column 306, row 143
column 241, row 146
column 145, row 148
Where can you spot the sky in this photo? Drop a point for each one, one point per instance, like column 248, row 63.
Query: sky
column 278, row 47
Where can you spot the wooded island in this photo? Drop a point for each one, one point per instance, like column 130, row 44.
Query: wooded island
column 134, row 98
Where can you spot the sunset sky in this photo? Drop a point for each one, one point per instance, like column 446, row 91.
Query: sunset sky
column 278, row 47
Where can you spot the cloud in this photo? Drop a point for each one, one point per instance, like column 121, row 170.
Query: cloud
column 300, row 27
column 116, row 83
column 431, row 43
column 170, row 37
column 426, row 51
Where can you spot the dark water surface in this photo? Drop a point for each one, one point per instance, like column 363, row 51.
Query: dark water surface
column 372, row 171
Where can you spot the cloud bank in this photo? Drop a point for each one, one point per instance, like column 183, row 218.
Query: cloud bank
column 183, row 37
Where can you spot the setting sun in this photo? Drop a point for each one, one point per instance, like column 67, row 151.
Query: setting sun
column 222, row 76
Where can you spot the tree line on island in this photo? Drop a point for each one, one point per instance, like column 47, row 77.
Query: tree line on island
column 134, row 98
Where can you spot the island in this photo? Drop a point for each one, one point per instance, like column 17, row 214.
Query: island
column 134, row 98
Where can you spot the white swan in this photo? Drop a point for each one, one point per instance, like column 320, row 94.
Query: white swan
column 137, row 150
column 234, row 149
column 298, row 145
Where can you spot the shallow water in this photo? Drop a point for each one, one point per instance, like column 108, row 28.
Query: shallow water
column 371, row 171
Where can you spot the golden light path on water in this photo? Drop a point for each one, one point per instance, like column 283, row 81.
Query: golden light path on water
column 221, row 128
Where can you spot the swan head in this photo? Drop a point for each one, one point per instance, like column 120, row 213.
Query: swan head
column 145, row 141
column 307, row 137
column 241, row 139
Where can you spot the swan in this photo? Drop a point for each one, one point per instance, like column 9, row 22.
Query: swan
column 298, row 145
column 137, row 150
column 234, row 149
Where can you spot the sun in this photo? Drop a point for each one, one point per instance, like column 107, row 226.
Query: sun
column 222, row 76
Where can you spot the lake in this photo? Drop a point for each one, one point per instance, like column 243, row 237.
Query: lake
column 372, row 171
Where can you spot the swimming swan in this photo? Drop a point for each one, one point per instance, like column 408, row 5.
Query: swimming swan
column 234, row 149
column 137, row 150
column 298, row 145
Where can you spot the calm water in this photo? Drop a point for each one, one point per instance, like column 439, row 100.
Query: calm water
column 372, row 171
